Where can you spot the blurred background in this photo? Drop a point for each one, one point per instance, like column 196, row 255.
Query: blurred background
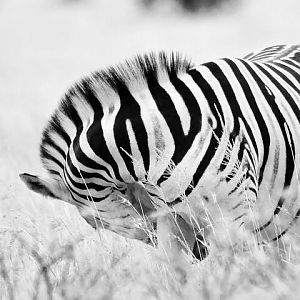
column 45, row 45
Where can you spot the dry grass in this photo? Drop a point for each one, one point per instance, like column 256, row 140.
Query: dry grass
column 58, row 256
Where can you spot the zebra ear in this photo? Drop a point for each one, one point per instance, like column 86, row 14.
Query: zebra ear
column 37, row 184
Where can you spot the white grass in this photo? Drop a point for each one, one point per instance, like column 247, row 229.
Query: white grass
column 46, row 249
column 62, row 258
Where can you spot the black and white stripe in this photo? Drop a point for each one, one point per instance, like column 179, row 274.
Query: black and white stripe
column 226, row 130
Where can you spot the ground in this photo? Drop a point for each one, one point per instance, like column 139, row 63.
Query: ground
column 47, row 249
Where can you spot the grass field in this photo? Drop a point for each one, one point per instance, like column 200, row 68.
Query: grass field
column 47, row 251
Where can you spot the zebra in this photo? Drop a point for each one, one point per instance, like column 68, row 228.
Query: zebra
column 160, row 145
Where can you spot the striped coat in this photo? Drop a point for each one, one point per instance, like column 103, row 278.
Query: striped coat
column 159, row 144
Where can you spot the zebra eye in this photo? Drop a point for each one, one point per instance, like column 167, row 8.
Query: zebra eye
column 120, row 190
column 116, row 191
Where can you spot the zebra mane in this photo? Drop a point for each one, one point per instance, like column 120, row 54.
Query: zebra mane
column 143, row 68
column 133, row 74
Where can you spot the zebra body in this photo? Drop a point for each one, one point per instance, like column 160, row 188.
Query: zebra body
column 157, row 136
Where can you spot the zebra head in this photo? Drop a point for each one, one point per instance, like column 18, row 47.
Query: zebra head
column 128, row 214
column 100, row 144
